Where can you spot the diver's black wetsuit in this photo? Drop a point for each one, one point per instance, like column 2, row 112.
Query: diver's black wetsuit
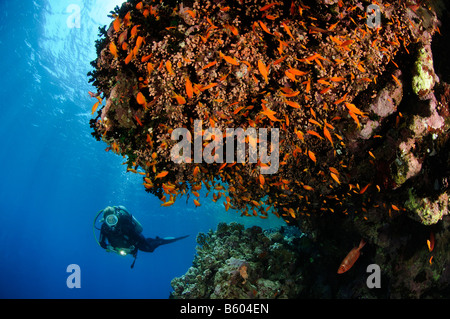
column 124, row 235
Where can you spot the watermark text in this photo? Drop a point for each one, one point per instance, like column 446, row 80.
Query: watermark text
column 258, row 146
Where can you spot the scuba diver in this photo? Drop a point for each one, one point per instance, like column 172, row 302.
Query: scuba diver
column 122, row 233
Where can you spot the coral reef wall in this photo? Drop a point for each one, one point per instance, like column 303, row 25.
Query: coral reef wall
column 360, row 111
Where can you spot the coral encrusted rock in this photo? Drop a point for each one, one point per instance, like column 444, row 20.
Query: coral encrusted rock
column 234, row 262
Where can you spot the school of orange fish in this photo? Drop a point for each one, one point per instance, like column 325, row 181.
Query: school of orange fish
column 247, row 63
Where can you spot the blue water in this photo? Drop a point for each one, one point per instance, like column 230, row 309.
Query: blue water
column 55, row 176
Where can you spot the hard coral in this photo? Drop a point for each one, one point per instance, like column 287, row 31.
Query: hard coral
column 243, row 263
column 424, row 78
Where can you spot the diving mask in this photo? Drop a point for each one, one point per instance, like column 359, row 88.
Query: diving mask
column 111, row 220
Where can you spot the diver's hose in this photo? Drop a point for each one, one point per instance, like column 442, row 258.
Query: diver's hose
column 93, row 226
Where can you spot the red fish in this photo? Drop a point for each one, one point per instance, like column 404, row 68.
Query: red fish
column 351, row 258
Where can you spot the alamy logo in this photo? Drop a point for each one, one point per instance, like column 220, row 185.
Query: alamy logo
column 374, row 279
column 258, row 146
column 373, row 16
column 74, row 20
column 74, row 279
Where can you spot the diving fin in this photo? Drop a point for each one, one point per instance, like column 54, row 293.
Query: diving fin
column 168, row 240
column 172, row 239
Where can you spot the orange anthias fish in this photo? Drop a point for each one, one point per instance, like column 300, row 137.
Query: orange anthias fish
column 113, row 49
column 351, row 258
column 228, row 59
column 162, row 174
column 263, row 69
column 189, row 88
column 430, row 242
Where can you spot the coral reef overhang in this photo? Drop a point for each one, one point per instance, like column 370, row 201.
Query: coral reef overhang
column 361, row 112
